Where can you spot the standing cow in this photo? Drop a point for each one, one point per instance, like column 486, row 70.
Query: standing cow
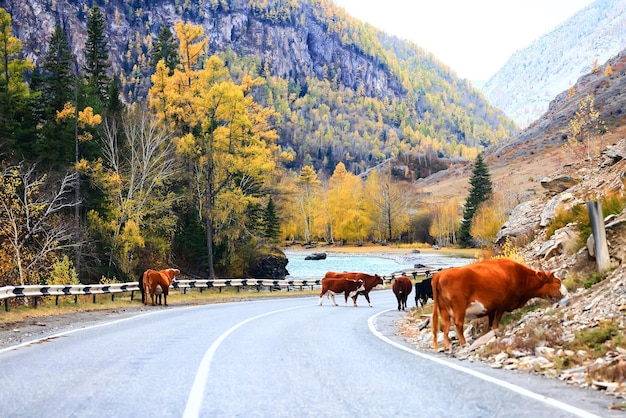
column 369, row 282
column 402, row 287
column 153, row 279
column 332, row 286
column 423, row 291
column 487, row 288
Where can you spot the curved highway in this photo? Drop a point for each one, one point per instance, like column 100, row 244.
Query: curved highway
column 272, row 358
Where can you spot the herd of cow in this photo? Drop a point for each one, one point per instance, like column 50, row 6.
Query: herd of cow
column 487, row 288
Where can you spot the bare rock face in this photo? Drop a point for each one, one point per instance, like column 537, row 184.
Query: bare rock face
column 291, row 50
column 522, row 223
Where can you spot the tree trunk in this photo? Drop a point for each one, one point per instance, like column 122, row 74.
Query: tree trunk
column 599, row 235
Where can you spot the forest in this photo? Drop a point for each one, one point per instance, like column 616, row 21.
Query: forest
column 96, row 187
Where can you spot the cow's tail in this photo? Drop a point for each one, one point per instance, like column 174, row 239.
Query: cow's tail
column 434, row 323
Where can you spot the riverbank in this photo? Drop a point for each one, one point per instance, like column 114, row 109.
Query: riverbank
column 382, row 249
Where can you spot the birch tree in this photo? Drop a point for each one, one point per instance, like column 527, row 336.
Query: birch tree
column 134, row 174
column 388, row 205
column 33, row 228
column 307, row 183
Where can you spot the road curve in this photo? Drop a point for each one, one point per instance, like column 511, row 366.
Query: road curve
column 279, row 358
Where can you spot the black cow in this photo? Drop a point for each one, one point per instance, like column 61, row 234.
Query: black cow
column 423, row 291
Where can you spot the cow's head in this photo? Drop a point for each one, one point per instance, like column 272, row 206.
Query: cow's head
column 171, row 274
column 379, row 282
column 552, row 288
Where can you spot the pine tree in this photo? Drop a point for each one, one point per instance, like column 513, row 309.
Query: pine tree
column 58, row 77
column 166, row 50
column 480, row 191
column 97, row 56
column 58, row 87
column 271, row 222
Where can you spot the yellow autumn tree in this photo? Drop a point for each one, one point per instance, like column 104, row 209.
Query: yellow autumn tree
column 585, row 129
column 387, row 204
column 445, row 222
column 224, row 136
column 488, row 220
column 347, row 217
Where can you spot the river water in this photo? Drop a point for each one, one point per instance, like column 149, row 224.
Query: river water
column 381, row 263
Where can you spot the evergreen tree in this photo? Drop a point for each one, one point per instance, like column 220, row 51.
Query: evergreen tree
column 480, row 191
column 97, row 56
column 58, row 78
column 165, row 49
column 271, row 222
column 58, row 87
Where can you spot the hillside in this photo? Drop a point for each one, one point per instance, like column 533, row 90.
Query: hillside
column 578, row 341
column 343, row 90
column 538, row 151
column 533, row 76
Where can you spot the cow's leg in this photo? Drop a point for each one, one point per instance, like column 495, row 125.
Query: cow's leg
column 165, row 298
column 331, row 297
column 445, row 325
column 458, row 323
column 497, row 316
column 352, row 295
column 367, row 296
column 321, row 299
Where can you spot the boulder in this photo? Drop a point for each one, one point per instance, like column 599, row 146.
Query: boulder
column 522, row 223
column 316, row 256
column 549, row 210
column 558, row 184
column 271, row 265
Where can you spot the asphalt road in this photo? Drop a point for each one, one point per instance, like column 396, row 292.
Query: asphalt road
column 272, row 358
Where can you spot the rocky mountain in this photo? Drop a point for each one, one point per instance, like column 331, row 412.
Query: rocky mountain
column 344, row 90
column 533, row 76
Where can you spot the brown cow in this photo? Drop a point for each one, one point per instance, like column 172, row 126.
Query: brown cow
column 369, row 281
column 332, row 286
column 402, row 287
column 487, row 288
column 153, row 279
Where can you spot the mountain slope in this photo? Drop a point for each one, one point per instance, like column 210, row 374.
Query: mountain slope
column 343, row 89
column 551, row 64
column 539, row 150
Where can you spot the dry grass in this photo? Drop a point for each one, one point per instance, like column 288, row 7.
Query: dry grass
column 46, row 305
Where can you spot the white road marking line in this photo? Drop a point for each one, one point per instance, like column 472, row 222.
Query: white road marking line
column 517, row 389
column 71, row 331
column 194, row 401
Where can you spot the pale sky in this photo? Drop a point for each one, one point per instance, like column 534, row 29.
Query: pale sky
column 473, row 37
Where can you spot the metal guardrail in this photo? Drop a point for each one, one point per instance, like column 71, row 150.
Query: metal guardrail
column 36, row 291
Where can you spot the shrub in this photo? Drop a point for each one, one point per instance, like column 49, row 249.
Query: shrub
column 597, row 340
column 63, row 272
